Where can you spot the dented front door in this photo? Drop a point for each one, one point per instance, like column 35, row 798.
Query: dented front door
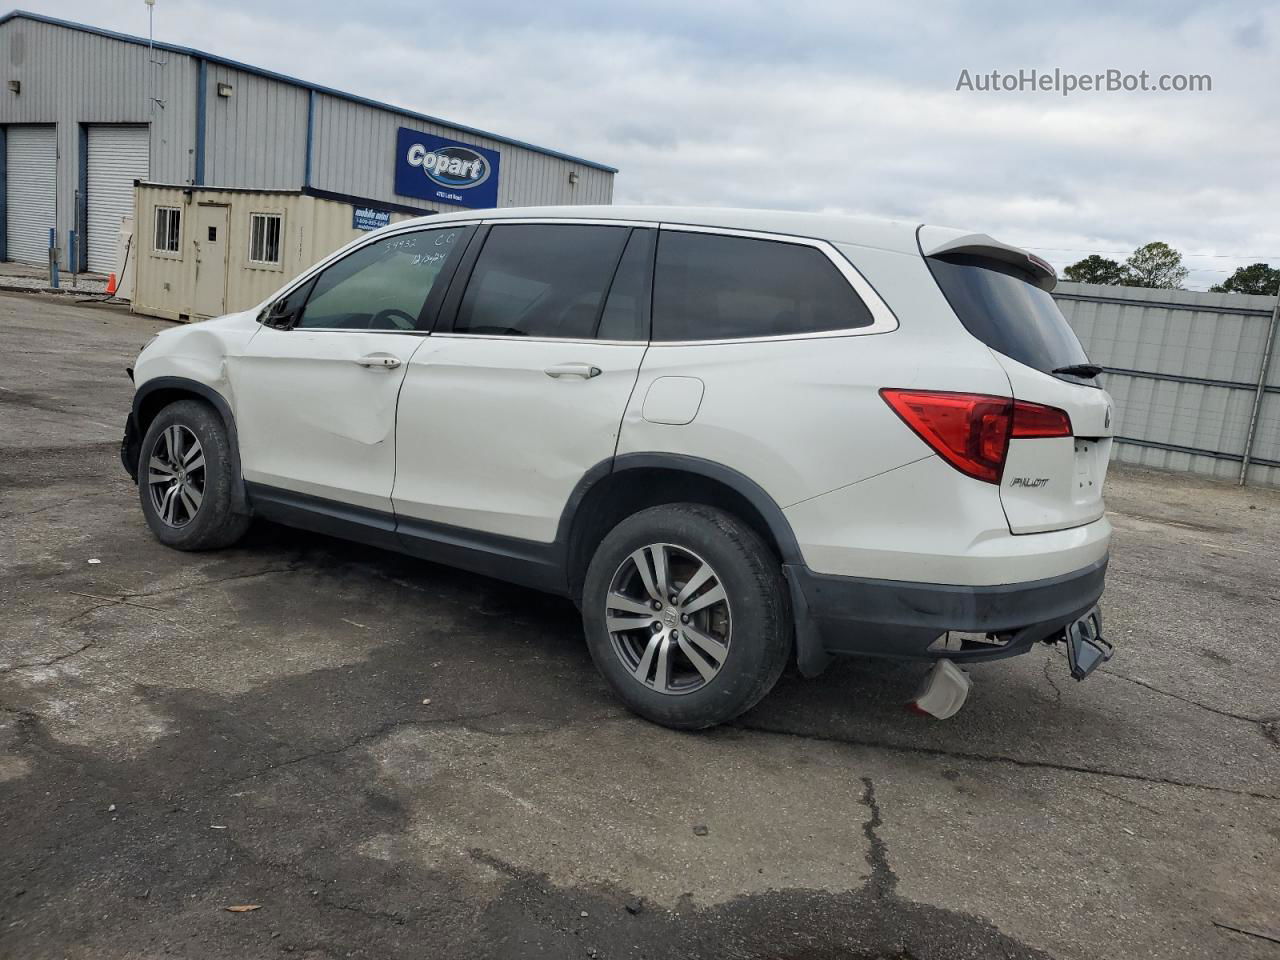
column 316, row 411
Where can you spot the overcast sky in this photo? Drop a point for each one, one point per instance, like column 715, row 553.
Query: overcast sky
column 841, row 106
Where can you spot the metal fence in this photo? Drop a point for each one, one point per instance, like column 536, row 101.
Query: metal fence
column 1188, row 373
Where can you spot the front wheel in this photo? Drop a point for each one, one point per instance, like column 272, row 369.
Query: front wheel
column 686, row 615
column 185, row 478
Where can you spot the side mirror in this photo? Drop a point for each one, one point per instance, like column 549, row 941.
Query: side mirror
column 279, row 315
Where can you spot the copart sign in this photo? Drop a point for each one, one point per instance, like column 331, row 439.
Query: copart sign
column 446, row 171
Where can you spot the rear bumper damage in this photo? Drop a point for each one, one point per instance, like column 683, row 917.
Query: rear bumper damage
column 855, row 616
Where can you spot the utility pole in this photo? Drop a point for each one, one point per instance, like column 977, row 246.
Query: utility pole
column 1269, row 342
column 151, row 83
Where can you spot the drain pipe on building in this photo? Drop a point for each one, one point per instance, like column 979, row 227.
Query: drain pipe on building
column 1261, row 392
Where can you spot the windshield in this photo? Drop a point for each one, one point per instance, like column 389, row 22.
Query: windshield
column 1000, row 305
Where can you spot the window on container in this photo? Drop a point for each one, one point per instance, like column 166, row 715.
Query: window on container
column 716, row 287
column 264, row 238
column 168, row 229
column 541, row 280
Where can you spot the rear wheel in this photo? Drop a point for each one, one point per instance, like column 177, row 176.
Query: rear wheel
column 685, row 614
column 185, row 479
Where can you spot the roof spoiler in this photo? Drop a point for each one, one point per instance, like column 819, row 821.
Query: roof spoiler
column 981, row 245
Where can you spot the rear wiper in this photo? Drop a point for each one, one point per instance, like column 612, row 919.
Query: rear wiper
column 1089, row 370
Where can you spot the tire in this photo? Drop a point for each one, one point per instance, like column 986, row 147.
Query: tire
column 212, row 524
column 626, row 634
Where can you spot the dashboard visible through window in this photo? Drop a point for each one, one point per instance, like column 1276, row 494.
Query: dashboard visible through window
column 383, row 285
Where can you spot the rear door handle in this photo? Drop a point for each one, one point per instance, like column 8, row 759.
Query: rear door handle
column 584, row 370
column 384, row 360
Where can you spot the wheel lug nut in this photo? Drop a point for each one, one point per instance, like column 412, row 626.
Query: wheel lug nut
column 657, row 604
column 675, row 634
column 684, row 618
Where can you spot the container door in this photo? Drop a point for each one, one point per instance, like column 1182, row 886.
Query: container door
column 210, row 245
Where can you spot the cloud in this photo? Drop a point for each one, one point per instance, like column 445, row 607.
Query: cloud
column 832, row 106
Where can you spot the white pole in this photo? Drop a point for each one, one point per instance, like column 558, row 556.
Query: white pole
column 151, row 75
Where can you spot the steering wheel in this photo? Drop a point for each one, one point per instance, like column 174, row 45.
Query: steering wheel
column 391, row 318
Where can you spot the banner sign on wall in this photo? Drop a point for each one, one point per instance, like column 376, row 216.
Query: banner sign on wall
column 435, row 168
column 367, row 218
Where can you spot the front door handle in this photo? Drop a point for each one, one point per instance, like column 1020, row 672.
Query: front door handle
column 384, row 360
column 584, row 370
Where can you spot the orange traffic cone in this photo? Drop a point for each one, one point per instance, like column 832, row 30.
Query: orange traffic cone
column 111, row 284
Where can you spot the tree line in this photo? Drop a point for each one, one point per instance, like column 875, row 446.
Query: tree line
column 1159, row 265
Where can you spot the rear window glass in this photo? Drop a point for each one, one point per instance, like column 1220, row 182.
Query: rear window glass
column 713, row 287
column 1001, row 306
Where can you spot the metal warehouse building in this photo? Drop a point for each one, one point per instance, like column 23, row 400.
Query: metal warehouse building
column 85, row 113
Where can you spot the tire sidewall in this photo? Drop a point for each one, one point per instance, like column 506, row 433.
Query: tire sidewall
column 214, row 514
column 759, row 638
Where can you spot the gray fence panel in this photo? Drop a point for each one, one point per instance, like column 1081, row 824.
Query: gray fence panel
column 1183, row 368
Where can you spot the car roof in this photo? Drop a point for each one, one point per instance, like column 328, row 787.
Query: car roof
column 895, row 235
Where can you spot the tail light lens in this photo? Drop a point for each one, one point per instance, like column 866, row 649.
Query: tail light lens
column 971, row 431
column 1033, row 420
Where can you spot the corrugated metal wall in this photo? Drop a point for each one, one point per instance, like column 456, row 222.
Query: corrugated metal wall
column 254, row 138
column 70, row 77
column 1183, row 368
column 355, row 154
column 257, row 137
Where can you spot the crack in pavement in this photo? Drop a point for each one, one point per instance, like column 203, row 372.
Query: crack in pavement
column 291, row 567
column 1057, row 691
column 884, row 881
column 366, row 737
column 1177, row 696
column 34, row 665
column 997, row 758
column 1116, row 796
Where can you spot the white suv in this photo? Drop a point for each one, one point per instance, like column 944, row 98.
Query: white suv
column 734, row 438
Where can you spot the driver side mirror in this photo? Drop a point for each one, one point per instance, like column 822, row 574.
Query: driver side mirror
column 280, row 314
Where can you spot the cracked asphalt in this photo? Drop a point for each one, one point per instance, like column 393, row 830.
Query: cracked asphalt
column 394, row 759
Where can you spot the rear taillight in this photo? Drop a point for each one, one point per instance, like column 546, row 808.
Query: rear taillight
column 971, row 431
column 1033, row 420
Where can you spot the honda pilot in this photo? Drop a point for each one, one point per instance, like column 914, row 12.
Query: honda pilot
column 735, row 439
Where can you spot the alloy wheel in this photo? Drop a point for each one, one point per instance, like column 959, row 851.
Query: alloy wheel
column 176, row 476
column 668, row 618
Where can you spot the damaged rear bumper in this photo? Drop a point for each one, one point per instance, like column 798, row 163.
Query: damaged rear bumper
column 856, row 616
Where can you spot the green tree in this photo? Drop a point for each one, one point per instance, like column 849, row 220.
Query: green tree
column 1155, row 265
column 1258, row 278
column 1096, row 269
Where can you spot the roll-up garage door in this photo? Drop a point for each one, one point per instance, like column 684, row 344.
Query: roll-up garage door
column 117, row 157
column 32, row 206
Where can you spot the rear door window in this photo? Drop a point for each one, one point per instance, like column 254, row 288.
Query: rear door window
column 1002, row 306
column 541, row 280
column 717, row 287
column 626, row 312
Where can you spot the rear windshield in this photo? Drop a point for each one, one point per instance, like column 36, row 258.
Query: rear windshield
column 1001, row 306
